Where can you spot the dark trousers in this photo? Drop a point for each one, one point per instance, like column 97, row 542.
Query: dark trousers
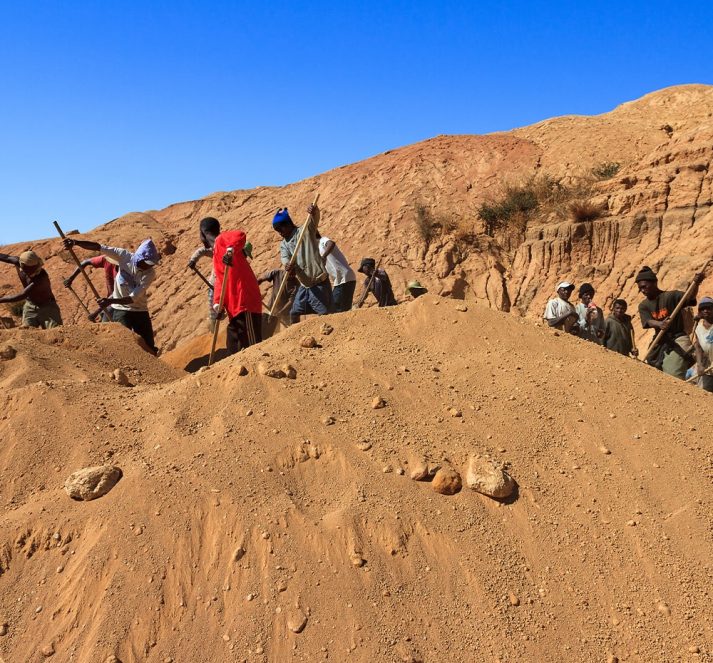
column 138, row 322
column 244, row 330
column 343, row 296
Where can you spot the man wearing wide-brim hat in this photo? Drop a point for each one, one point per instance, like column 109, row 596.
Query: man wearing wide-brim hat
column 40, row 308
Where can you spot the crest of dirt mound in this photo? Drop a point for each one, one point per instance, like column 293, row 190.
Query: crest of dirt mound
column 269, row 513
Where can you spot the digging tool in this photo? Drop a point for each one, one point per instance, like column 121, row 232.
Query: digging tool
column 95, row 292
column 229, row 251
column 708, row 371
column 365, row 294
column 200, row 274
column 293, row 259
column 633, row 345
column 79, row 299
column 679, row 307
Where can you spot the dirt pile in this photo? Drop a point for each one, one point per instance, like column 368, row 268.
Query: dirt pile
column 418, row 207
column 270, row 519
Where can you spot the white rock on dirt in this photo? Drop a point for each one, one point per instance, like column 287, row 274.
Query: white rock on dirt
column 489, row 478
column 91, row 483
column 121, row 378
column 297, row 621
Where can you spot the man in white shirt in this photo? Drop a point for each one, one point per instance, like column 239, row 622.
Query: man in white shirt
column 703, row 343
column 559, row 313
column 342, row 275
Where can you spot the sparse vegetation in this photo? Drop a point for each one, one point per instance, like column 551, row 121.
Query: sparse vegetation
column 606, row 170
column 425, row 224
column 16, row 308
column 584, row 211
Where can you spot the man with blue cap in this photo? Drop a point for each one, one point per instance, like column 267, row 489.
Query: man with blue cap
column 129, row 301
column 314, row 294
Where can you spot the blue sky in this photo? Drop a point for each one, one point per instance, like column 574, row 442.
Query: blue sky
column 123, row 106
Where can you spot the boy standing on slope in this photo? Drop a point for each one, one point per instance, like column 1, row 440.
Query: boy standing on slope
column 243, row 301
column 618, row 331
column 315, row 292
column 675, row 355
column 591, row 317
column 129, row 300
column 704, row 342
column 208, row 230
column 40, row 309
column 559, row 312
column 343, row 276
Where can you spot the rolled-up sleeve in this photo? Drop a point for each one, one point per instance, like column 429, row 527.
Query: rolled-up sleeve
column 121, row 256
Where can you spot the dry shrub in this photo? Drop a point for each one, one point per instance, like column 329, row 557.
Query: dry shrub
column 425, row 224
column 606, row 170
column 584, row 211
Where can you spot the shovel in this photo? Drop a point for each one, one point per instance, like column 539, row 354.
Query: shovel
column 229, row 251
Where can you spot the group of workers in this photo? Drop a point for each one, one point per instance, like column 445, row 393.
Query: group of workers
column 315, row 278
column 318, row 280
column 677, row 352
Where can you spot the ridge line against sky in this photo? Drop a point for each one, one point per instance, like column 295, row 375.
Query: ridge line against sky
column 116, row 108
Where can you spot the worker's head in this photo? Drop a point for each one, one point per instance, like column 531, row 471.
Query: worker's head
column 705, row 309
column 282, row 223
column 146, row 256
column 618, row 308
column 586, row 293
column 564, row 290
column 30, row 262
column 209, row 231
column 367, row 266
column 647, row 282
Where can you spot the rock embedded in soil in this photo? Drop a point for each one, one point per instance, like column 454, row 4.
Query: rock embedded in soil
column 308, row 342
column 447, row 481
column 489, row 478
column 91, row 483
column 7, row 353
column 290, row 371
column 48, row 650
column 326, row 329
column 121, row 378
column 297, row 621
column 378, row 403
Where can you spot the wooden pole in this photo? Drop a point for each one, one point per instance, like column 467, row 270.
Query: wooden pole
column 708, row 371
column 293, row 258
column 79, row 299
column 79, row 264
column 203, row 278
column 633, row 344
column 229, row 252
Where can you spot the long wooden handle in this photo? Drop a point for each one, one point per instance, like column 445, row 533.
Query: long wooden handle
column 223, row 288
column 199, row 273
column 79, row 299
column 293, row 258
column 79, row 264
column 708, row 371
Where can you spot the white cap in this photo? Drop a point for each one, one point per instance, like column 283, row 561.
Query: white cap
column 565, row 284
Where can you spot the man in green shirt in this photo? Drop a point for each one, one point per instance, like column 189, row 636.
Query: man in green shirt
column 674, row 356
column 618, row 332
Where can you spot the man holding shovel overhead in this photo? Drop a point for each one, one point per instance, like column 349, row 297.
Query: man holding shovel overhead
column 242, row 300
column 674, row 350
column 315, row 292
column 40, row 308
column 129, row 299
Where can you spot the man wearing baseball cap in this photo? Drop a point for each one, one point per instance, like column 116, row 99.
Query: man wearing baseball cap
column 703, row 343
column 40, row 309
column 559, row 312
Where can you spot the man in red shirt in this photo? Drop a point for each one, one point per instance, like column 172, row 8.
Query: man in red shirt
column 243, row 301
column 110, row 268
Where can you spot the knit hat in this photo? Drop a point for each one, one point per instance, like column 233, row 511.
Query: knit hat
column 706, row 301
column 646, row 274
column 366, row 262
column 30, row 259
column 281, row 216
column 586, row 288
